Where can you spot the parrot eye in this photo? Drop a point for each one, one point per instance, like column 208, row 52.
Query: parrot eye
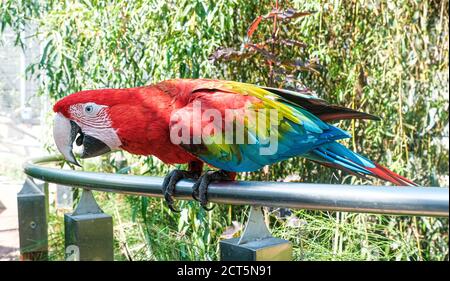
column 89, row 108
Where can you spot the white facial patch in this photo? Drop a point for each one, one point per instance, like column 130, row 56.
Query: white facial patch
column 106, row 135
column 94, row 121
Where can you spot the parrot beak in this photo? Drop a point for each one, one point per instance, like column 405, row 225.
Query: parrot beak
column 65, row 132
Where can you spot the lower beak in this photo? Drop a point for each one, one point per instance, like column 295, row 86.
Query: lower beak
column 93, row 147
column 65, row 132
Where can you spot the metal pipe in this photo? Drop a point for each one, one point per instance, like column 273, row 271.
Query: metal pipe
column 425, row 201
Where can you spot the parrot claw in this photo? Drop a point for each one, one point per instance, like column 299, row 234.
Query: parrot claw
column 169, row 184
column 200, row 188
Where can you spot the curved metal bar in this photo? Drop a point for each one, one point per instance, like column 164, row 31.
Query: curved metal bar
column 425, row 201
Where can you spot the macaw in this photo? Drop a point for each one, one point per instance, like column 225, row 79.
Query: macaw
column 148, row 121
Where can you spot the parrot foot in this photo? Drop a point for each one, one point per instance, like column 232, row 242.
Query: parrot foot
column 200, row 188
column 169, row 183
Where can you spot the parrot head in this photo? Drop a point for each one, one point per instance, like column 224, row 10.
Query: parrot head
column 85, row 118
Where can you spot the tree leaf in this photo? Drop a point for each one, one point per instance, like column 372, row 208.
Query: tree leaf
column 230, row 54
column 253, row 26
column 288, row 14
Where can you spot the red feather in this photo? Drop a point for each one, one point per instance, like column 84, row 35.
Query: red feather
column 387, row 175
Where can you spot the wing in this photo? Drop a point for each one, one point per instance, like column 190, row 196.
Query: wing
column 319, row 107
column 289, row 130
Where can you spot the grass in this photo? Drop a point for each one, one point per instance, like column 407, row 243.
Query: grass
column 194, row 234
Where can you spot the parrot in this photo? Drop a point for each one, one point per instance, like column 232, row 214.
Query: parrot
column 186, row 121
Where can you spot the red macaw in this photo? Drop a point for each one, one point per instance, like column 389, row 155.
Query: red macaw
column 148, row 121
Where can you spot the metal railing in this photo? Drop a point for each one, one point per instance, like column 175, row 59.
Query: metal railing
column 424, row 201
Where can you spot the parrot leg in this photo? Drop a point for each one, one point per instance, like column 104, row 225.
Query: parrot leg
column 172, row 178
column 200, row 188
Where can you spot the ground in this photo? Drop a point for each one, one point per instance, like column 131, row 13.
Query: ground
column 9, row 233
column 18, row 142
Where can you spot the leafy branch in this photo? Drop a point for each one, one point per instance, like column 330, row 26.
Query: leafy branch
column 271, row 48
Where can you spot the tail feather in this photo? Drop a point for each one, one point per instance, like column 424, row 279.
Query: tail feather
column 338, row 156
column 386, row 174
column 335, row 166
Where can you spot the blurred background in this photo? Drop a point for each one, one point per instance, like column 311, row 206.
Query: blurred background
column 383, row 57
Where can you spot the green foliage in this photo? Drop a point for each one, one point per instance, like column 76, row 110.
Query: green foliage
column 388, row 59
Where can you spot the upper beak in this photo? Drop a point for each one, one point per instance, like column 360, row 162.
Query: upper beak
column 65, row 131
